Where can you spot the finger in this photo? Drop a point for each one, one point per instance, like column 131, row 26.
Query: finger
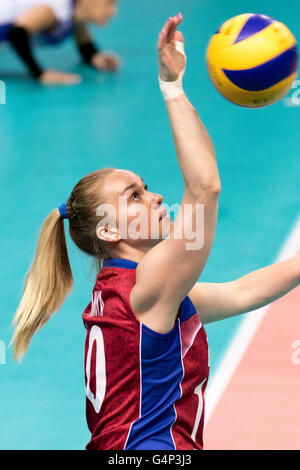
column 76, row 79
column 176, row 20
column 162, row 39
column 114, row 61
column 72, row 80
column 110, row 66
column 107, row 67
column 167, row 25
column 171, row 32
column 111, row 63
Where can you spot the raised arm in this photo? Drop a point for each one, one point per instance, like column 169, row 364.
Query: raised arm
column 215, row 302
column 170, row 269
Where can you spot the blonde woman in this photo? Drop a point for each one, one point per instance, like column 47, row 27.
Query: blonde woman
column 52, row 21
column 146, row 352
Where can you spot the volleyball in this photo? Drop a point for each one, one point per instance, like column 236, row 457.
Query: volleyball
column 252, row 60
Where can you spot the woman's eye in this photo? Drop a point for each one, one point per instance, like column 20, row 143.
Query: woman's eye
column 135, row 196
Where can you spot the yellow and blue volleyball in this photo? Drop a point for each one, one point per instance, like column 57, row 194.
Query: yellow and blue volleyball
column 252, row 60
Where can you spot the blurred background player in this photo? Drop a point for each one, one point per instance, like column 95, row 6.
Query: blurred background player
column 51, row 22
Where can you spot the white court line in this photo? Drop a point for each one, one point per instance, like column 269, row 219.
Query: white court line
column 244, row 334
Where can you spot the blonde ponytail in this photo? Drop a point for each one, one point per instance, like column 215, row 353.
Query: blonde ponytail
column 50, row 279
column 47, row 284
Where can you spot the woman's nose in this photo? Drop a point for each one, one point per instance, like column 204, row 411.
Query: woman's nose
column 157, row 199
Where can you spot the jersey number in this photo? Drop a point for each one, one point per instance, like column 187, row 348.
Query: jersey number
column 198, row 391
column 100, row 372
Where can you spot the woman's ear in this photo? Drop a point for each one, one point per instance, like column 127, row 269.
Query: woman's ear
column 108, row 234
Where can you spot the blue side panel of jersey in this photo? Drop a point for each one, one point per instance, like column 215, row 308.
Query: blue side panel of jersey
column 161, row 375
column 4, row 30
column 187, row 309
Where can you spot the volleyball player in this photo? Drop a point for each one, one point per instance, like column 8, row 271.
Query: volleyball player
column 146, row 351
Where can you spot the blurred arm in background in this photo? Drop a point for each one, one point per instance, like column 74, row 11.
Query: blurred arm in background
column 92, row 54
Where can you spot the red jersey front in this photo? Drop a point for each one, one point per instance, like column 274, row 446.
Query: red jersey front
column 145, row 390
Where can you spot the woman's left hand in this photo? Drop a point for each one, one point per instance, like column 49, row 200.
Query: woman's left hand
column 171, row 61
column 105, row 62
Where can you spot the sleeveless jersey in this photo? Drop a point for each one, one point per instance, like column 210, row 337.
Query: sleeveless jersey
column 11, row 10
column 144, row 389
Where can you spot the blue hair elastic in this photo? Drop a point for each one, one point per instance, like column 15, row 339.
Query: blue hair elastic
column 63, row 211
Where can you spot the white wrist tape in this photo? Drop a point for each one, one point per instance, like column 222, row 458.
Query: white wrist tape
column 174, row 89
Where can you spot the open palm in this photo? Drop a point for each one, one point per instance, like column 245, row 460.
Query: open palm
column 171, row 61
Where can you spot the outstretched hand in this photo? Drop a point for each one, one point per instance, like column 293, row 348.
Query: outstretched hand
column 106, row 62
column 171, row 61
column 53, row 77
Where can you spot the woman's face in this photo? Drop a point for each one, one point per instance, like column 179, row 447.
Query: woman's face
column 100, row 11
column 133, row 211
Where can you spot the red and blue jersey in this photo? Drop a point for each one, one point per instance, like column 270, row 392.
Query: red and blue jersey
column 144, row 389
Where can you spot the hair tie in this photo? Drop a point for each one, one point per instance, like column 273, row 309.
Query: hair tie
column 63, row 211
